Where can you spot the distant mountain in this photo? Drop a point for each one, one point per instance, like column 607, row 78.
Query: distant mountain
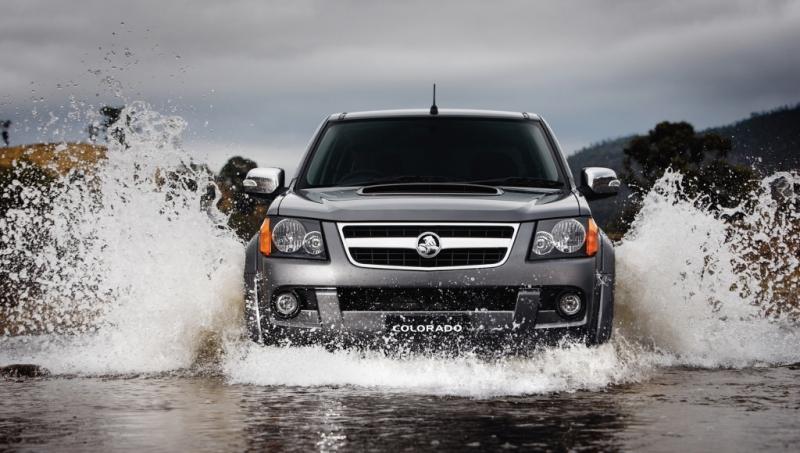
column 769, row 141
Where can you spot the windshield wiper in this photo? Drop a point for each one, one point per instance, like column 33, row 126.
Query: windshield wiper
column 520, row 181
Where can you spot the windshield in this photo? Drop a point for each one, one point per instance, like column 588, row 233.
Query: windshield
column 435, row 149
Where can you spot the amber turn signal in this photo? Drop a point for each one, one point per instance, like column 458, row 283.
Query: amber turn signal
column 592, row 238
column 265, row 238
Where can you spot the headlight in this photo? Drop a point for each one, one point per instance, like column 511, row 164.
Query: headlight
column 294, row 238
column 568, row 236
column 312, row 243
column 288, row 235
column 565, row 238
column 543, row 243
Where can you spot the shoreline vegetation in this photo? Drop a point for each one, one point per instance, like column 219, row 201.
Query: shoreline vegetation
column 56, row 159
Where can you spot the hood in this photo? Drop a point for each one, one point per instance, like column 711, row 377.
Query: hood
column 348, row 205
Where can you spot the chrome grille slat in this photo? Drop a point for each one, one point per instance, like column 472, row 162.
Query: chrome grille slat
column 461, row 231
column 393, row 245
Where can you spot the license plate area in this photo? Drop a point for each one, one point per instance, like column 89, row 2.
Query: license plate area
column 428, row 324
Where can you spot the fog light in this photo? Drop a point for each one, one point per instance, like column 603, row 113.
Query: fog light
column 286, row 305
column 569, row 304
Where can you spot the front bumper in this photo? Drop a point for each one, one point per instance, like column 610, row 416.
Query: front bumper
column 529, row 317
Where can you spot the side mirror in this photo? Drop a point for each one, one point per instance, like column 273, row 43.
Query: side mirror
column 263, row 181
column 599, row 182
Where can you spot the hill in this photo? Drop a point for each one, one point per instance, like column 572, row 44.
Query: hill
column 768, row 141
column 54, row 158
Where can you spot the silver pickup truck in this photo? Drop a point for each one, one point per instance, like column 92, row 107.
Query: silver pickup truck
column 430, row 226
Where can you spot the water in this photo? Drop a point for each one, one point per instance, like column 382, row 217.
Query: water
column 134, row 304
column 678, row 409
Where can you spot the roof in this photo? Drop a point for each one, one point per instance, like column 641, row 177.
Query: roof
column 426, row 112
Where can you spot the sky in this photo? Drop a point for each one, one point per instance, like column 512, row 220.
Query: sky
column 257, row 77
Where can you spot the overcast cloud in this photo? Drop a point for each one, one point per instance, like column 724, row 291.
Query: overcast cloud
column 256, row 77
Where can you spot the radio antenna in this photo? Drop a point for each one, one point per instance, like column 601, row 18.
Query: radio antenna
column 434, row 109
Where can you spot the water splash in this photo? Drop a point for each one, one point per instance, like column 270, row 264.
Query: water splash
column 129, row 268
column 128, row 272
column 685, row 277
column 567, row 367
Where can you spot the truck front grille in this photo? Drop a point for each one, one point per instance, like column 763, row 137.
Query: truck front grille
column 394, row 245
column 428, row 299
column 445, row 258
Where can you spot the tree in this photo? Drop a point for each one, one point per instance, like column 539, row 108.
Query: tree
column 99, row 129
column 701, row 158
column 246, row 214
column 4, row 127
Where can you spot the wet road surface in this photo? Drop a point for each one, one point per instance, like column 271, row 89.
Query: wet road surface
column 676, row 410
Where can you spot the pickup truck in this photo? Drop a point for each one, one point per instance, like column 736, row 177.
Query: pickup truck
column 426, row 226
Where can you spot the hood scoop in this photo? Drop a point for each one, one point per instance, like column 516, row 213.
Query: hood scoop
column 428, row 188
